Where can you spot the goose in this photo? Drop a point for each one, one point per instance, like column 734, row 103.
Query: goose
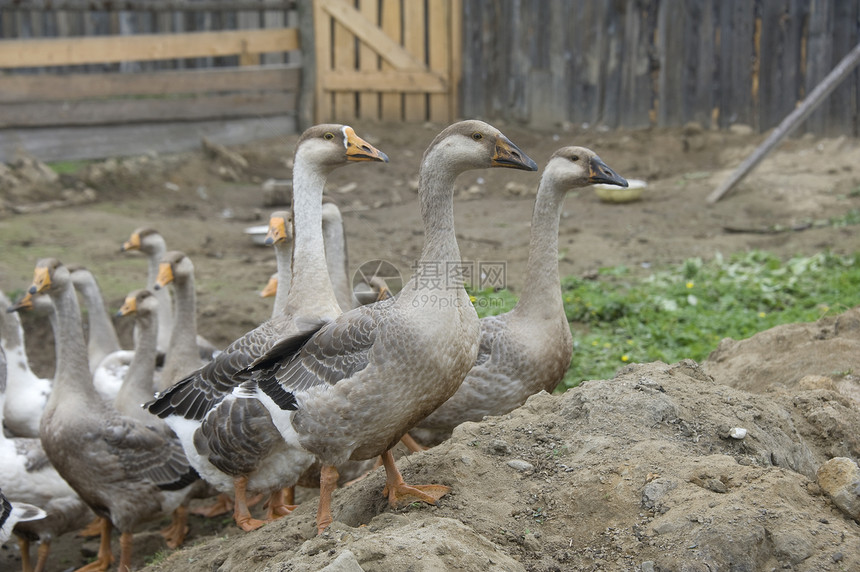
column 336, row 256
column 148, row 241
column 13, row 513
column 527, row 349
column 184, row 356
column 280, row 236
column 138, row 386
column 28, row 477
column 101, row 338
column 231, row 441
column 413, row 350
column 26, row 392
column 125, row 471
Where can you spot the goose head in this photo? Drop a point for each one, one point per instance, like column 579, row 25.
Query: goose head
column 174, row 267
column 141, row 302
column 280, row 228
column 39, row 304
column 572, row 167
column 473, row 144
column 49, row 276
column 271, row 287
column 80, row 275
column 332, row 145
column 146, row 240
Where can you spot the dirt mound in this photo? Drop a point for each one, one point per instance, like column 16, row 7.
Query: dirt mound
column 638, row 472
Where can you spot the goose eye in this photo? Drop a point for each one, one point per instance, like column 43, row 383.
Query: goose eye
column 477, row 136
column 575, row 158
column 328, row 136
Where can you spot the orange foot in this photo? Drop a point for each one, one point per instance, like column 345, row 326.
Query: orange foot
column 175, row 533
column 223, row 505
column 402, row 494
column 98, row 565
column 94, row 528
column 248, row 523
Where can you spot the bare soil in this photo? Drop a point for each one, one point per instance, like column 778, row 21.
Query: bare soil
column 637, row 473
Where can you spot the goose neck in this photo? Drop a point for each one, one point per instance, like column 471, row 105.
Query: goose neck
column 283, row 256
column 72, row 374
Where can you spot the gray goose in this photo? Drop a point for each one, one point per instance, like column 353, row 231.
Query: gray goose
column 101, row 335
column 361, row 382
column 149, row 242
column 231, row 441
column 127, row 472
column 528, row 349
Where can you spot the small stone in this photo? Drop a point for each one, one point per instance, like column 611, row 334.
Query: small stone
column 531, row 543
column 345, row 562
column 499, row 447
column 737, row 433
column 837, row 556
column 520, row 465
column 647, row 566
column 840, row 479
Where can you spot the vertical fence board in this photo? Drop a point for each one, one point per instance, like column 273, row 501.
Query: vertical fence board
column 415, row 105
column 670, row 49
column 439, row 57
column 819, row 54
column 368, row 102
column 636, row 97
column 343, row 44
column 391, row 103
column 611, row 71
column 322, row 40
column 842, row 107
column 736, row 56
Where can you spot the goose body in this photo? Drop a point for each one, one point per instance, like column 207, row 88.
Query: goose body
column 528, row 349
column 231, row 441
column 125, row 471
column 327, row 394
column 26, row 393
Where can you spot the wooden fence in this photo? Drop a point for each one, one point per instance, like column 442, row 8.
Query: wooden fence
column 637, row 63
column 79, row 83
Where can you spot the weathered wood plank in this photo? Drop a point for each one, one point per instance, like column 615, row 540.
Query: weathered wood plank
column 842, row 107
column 368, row 61
column 391, row 105
column 343, row 46
column 439, row 56
column 68, row 143
column 109, row 49
column 322, row 41
column 819, row 56
column 637, row 89
column 737, row 49
column 107, row 112
column 670, row 50
column 611, row 71
column 414, row 106
column 48, row 87
column 153, row 5
column 385, row 81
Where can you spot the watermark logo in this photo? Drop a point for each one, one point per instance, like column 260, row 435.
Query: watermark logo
column 372, row 277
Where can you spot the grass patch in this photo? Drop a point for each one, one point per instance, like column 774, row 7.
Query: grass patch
column 68, row 167
column 684, row 311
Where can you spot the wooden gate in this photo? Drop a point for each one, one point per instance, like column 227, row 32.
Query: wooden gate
column 387, row 59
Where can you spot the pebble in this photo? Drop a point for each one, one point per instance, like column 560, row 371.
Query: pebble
column 840, row 479
column 520, row 465
column 499, row 447
column 737, row 433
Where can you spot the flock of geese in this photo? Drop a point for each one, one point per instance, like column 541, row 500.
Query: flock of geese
column 315, row 396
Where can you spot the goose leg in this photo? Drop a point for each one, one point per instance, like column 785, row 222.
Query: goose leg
column 175, row 533
column 105, row 557
column 125, row 540
column 222, row 505
column 94, row 528
column 24, row 545
column 398, row 491
column 42, row 559
column 279, row 505
column 411, row 444
column 241, row 514
column 328, row 483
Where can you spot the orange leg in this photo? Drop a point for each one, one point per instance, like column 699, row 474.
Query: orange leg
column 105, row 556
column 241, row 514
column 278, row 504
column 398, row 491
column 125, row 540
column 24, row 545
column 43, row 550
column 411, row 444
column 328, row 483
column 222, row 505
column 94, row 528
column 175, row 533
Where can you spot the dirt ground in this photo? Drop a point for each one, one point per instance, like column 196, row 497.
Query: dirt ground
column 636, row 474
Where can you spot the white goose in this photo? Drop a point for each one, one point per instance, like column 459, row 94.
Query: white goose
column 528, row 349
column 361, row 382
column 26, row 392
column 101, row 335
column 230, row 441
column 125, row 471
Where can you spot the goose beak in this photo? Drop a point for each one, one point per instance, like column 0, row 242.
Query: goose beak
column 357, row 149
column 41, row 281
column 599, row 172
column 129, row 307
column 25, row 303
column 133, row 243
column 271, row 288
column 509, row 155
column 165, row 275
column 277, row 231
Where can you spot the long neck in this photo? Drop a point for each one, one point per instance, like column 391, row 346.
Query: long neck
column 283, row 255
column 441, row 252
column 165, row 304
column 137, row 386
column 72, row 374
column 311, row 291
column 11, row 332
column 542, row 285
column 102, row 335
column 335, row 255
column 183, row 342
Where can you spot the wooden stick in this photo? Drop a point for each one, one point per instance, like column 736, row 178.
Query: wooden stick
column 791, row 122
